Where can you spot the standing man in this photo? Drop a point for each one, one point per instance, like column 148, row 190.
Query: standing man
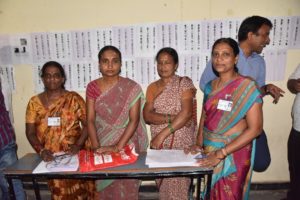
column 253, row 36
column 293, row 85
column 8, row 149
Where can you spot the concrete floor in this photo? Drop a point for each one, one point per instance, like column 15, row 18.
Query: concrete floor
column 267, row 194
column 254, row 195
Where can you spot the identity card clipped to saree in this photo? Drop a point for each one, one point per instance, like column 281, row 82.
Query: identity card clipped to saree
column 62, row 162
column 171, row 158
column 90, row 161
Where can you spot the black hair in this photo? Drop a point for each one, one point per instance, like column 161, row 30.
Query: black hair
column 112, row 48
column 234, row 46
column 58, row 66
column 172, row 52
column 252, row 24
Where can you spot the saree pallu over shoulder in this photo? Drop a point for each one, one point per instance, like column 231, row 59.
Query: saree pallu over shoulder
column 169, row 102
column 112, row 117
column 70, row 107
column 243, row 93
column 112, row 114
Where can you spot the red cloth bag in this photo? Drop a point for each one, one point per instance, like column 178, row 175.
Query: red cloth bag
column 90, row 161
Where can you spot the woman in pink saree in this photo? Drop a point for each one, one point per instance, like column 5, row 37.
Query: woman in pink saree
column 169, row 107
column 231, row 120
column 114, row 106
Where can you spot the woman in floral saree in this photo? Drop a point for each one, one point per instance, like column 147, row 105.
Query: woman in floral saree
column 170, row 102
column 53, row 124
column 114, row 106
column 231, row 119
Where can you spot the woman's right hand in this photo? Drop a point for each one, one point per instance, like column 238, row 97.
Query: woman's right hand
column 157, row 141
column 212, row 159
column 193, row 149
column 107, row 149
column 46, row 155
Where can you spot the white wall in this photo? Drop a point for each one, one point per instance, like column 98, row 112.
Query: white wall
column 17, row 16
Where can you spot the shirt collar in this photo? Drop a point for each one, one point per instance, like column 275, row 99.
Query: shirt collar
column 242, row 53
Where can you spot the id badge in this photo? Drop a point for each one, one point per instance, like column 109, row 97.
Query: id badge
column 53, row 121
column 224, row 105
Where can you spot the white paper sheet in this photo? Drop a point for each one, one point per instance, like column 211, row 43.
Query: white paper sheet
column 145, row 70
column 169, row 158
column 167, row 35
column 145, row 40
column 233, row 27
column 60, row 164
column 123, row 38
column 21, row 51
column 139, row 44
column 5, row 50
column 190, row 37
column 275, row 64
column 41, row 50
column 82, row 45
column 280, row 33
column 61, row 46
column 102, row 37
column 295, row 33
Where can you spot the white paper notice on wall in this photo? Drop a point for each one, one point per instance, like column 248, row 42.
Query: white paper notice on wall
column 5, row 50
column 275, row 64
column 295, row 33
column 139, row 45
column 61, row 46
column 145, row 40
column 82, row 45
column 21, row 51
column 102, row 38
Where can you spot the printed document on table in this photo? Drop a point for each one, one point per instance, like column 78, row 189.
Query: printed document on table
column 62, row 163
column 169, row 158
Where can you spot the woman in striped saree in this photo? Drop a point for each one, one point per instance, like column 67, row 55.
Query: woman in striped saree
column 114, row 112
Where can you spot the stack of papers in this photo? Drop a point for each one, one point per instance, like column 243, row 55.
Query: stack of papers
column 170, row 158
column 62, row 163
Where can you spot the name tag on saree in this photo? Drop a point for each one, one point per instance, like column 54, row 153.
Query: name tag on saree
column 224, row 105
column 53, row 121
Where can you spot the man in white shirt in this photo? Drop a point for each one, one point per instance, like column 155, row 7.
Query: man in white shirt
column 294, row 138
